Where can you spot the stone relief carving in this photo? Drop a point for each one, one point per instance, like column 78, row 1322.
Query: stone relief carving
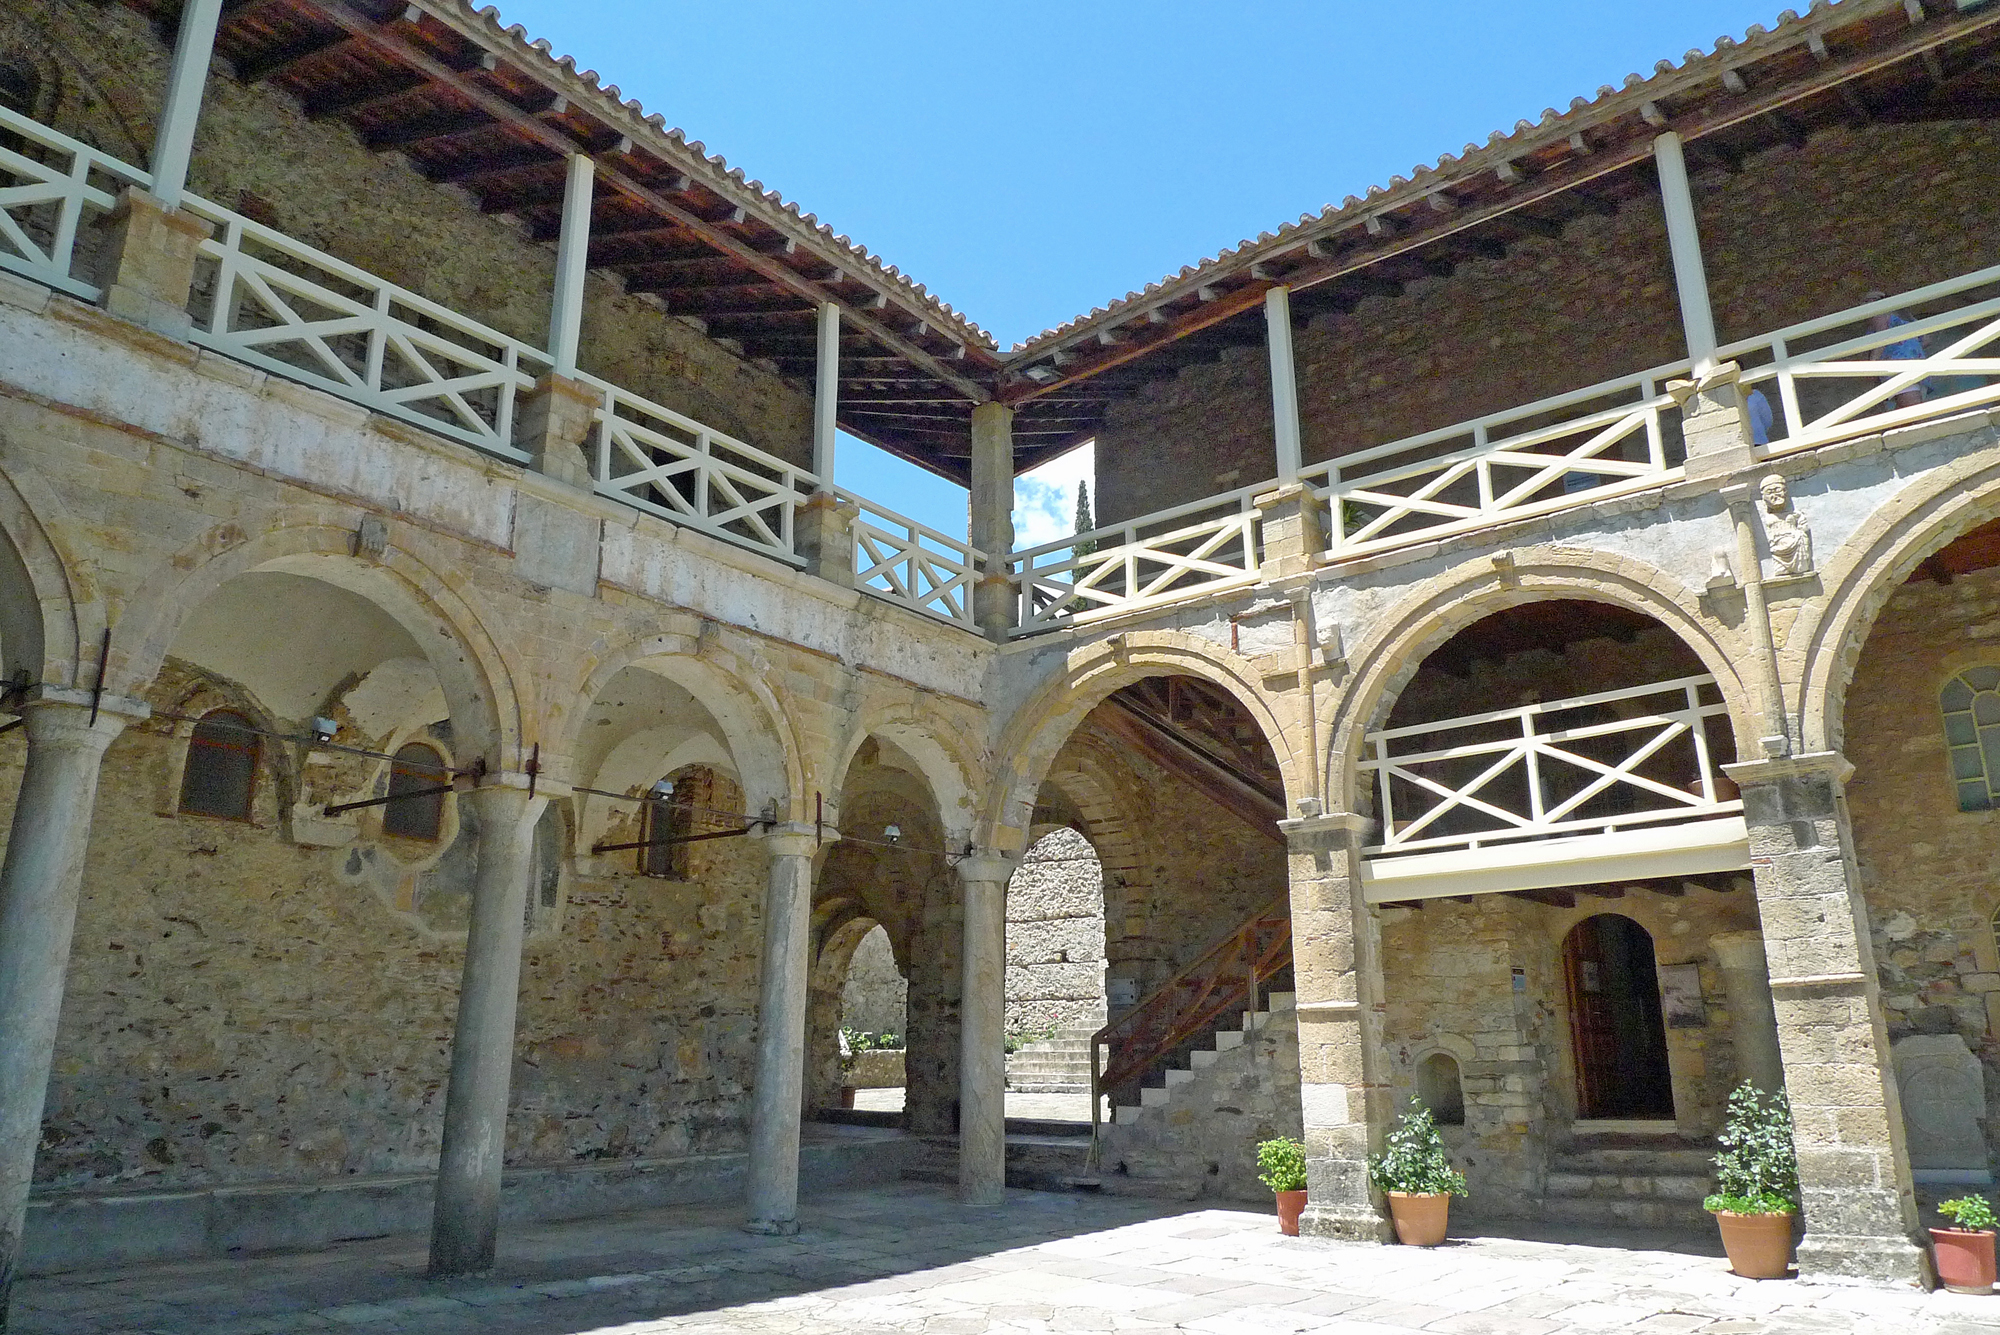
column 1785, row 529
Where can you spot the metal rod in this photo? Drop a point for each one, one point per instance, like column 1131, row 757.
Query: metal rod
column 677, row 839
column 534, row 768
column 384, row 801
column 12, row 724
column 103, row 658
column 315, row 743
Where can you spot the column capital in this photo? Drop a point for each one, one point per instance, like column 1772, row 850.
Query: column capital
column 48, row 706
column 1829, row 766
column 795, row 838
column 1334, row 831
column 984, row 865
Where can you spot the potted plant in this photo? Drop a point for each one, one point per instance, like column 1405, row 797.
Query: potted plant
column 1965, row 1254
column 1415, row 1174
column 1757, row 1184
column 1281, row 1165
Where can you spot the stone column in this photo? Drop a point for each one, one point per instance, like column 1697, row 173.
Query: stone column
column 991, row 529
column 146, row 266
column 1336, row 959
column 1854, row 1174
column 40, row 882
column 554, row 425
column 781, row 1031
column 825, row 537
column 465, row 1222
column 982, row 1011
column 1753, row 1020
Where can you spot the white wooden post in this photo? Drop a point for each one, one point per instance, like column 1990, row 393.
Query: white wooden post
column 173, row 143
column 826, row 394
column 1284, row 383
column 1690, row 277
column 572, row 265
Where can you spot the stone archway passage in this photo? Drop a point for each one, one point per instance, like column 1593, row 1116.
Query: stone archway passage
column 1616, row 1030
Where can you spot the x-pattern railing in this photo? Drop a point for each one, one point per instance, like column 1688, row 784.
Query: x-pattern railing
column 1838, row 376
column 1602, row 440
column 905, row 562
column 52, row 189
column 1199, row 548
column 1532, row 773
column 668, row 463
column 1225, row 978
column 266, row 299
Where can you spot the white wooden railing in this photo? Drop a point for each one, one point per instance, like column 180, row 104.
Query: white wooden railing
column 1175, row 554
column 667, row 463
column 1548, row 455
column 1592, row 764
column 53, row 189
column 1836, row 376
column 905, row 562
column 276, row 303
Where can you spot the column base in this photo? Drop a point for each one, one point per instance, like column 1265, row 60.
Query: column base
column 772, row 1228
column 1864, row 1258
column 1345, row 1223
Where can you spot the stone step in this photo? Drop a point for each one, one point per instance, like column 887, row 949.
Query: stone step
column 1154, row 1098
column 1225, row 1039
column 1690, row 1161
column 1045, row 1065
column 1177, row 1077
column 1629, row 1212
column 1628, row 1186
column 1201, row 1060
column 1046, row 1087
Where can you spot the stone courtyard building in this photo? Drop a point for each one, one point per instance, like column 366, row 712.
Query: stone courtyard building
column 1541, row 653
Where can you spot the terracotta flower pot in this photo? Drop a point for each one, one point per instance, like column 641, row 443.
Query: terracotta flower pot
column 1289, row 1205
column 847, row 1096
column 1759, row 1245
column 1420, row 1220
column 1964, row 1259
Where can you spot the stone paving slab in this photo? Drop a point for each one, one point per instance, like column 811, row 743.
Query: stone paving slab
column 910, row 1259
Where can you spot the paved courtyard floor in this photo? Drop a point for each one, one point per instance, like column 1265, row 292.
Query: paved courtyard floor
column 910, row 1258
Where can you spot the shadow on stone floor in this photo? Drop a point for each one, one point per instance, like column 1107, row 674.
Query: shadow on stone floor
column 1682, row 1242
column 565, row 1279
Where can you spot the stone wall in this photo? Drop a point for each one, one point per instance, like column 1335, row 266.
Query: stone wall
column 256, row 152
column 1797, row 233
column 1928, row 870
column 874, row 999
column 1055, row 936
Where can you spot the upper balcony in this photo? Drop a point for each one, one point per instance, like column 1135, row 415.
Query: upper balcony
column 1443, row 451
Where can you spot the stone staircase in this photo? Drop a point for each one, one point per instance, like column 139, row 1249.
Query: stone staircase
column 1631, row 1180
column 1057, row 1065
column 1199, row 1059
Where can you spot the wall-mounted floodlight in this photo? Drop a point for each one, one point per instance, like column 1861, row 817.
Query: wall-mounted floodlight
column 323, row 730
column 662, row 790
column 893, row 833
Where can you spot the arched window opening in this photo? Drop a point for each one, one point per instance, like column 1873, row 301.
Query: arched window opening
column 416, row 768
column 1970, row 703
column 220, row 778
column 1439, row 1086
column 683, row 805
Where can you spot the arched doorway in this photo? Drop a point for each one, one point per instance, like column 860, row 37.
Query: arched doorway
column 1617, row 1034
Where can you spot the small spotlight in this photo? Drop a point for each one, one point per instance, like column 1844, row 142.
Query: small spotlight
column 323, row 730
column 893, row 833
column 662, row 790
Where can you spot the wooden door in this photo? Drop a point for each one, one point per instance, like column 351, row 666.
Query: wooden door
column 1617, row 1033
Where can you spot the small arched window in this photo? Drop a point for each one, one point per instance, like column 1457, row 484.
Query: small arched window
column 417, row 769
column 220, row 778
column 1438, row 1085
column 1970, row 703
column 694, row 807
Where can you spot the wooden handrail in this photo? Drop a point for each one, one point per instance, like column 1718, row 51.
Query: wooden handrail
column 1226, row 977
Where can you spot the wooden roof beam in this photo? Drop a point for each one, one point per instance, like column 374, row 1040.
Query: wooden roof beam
column 276, row 64
column 612, row 180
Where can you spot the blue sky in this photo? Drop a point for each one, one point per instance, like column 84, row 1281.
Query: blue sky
column 1029, row 161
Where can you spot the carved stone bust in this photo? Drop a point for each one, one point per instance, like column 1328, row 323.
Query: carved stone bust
column 1785, row 529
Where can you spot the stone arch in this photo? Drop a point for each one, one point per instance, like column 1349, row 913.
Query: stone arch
column 476, row 680
column 1036, row 731
column 1383, row 662
column 760, row 741
column 48, row 608
column 943, row 754
column 1866, row 572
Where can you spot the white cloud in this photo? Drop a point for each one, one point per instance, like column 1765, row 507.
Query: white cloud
column 1045, row 497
